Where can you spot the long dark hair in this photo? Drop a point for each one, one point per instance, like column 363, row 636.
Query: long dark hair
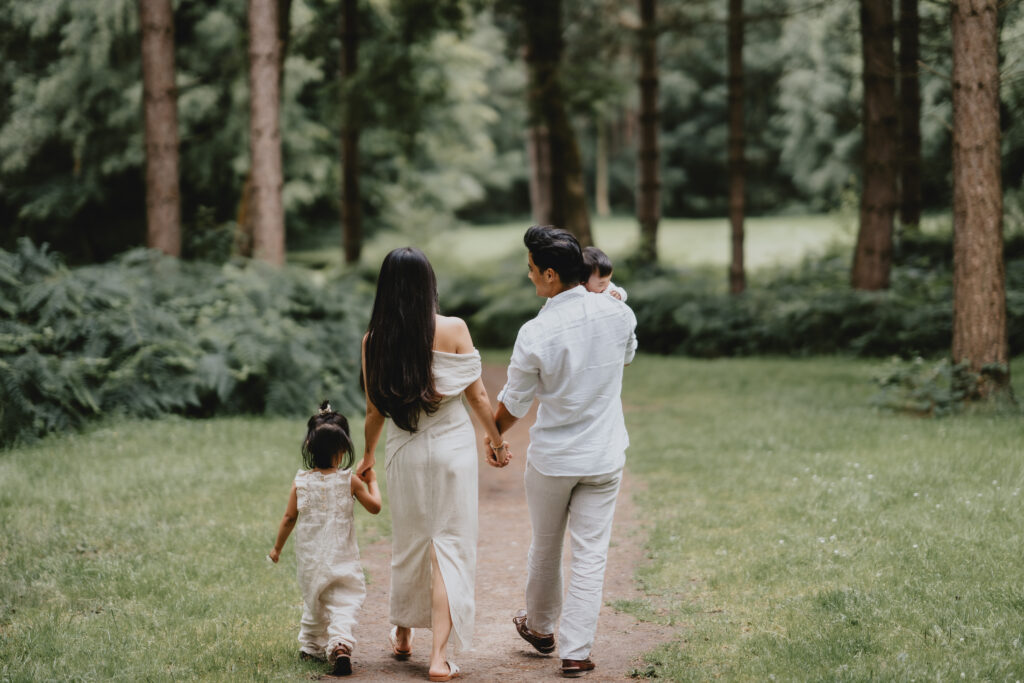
column 400, row 339
column 326, row 435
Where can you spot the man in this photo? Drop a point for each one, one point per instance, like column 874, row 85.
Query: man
column 570, row 357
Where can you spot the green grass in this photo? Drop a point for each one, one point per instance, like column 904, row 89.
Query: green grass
column 785, row 537
column 796, row 533
column 136, row 551
column 778, row 240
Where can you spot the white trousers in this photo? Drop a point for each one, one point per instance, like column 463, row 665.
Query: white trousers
column 329, row 615
column 587, row 505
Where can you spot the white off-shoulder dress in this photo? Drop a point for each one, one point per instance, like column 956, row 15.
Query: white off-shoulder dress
column 432, row 493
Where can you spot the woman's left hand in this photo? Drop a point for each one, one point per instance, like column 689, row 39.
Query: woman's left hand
column 365, row 466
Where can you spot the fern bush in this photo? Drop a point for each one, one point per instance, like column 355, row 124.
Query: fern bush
column 147, row 335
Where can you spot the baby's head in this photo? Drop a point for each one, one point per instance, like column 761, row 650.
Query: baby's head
column 327, row 443
column 598, row 269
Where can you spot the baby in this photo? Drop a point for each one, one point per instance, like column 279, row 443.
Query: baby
column 597, row 263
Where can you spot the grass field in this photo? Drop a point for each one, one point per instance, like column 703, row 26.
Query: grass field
column 771, row 241
column 795, row 532
column 798, row 535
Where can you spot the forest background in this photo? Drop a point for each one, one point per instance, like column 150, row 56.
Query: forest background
column 443, row 111
column 416, row 119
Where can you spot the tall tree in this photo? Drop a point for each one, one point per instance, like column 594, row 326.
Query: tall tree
column 872, row 259
column 351, row 201
column 910, row 114
column 648, row 201
column 160, row 106
column 542, row 21
column 737, row 137
column 244, row 220
column 601, row 203
column 265, row 132
column 979, row 280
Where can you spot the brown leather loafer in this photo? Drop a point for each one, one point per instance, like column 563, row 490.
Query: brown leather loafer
column 572, row 668
column 544, row 644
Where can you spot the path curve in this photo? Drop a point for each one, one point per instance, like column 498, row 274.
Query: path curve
column 498, row 652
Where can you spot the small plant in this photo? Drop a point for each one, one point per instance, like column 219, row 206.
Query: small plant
column 933, row 389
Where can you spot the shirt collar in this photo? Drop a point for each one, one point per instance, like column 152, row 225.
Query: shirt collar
column 564, row 297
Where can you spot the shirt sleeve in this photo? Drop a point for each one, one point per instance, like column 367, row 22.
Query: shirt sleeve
column 631, row 343
column 523, row 377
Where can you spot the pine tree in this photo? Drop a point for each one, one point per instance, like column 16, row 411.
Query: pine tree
column 160, row 107
column 979, row 280
column 264, row 131
column 872, row 261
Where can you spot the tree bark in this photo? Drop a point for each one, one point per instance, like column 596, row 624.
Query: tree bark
column 601, row 203
column 351, row 199
column 737, row 139
column 979, row 280
column 542, row 21
column 872, row 260
column 244, row 234
column 648, row 204
column 910, row 115
column 539, row 157
column 160, row 112
column 267, row 209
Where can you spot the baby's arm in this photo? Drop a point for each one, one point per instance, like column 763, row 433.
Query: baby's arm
column 367, row 492
column 291, row 514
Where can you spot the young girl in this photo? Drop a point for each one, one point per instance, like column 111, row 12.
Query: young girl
column 330, row 575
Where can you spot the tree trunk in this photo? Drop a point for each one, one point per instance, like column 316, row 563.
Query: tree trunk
column 160, row 111
column 351, row 200
column 872, row 259
column 267, row 209
column 737, row 162
column 910, row 115
column 542, row 21
column 539, row 157
column 243, row 236
column 601, row 203
column 648, row 204
column 979, row 281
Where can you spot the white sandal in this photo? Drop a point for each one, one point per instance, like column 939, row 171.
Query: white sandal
column 453, row 672
column 393, row 639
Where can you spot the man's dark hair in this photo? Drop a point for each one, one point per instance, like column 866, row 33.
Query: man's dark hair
column 595, row 259
column 555, row 248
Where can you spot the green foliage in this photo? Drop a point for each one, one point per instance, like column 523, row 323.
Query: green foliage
column 794, row 310
column 71, row 148
column 926, row 389
column 147, row 335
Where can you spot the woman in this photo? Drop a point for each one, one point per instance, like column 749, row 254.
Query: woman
column 416, row 366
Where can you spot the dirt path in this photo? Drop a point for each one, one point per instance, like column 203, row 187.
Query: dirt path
column 498, row 652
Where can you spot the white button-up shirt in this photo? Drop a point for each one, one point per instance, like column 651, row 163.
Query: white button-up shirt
column 570, row 357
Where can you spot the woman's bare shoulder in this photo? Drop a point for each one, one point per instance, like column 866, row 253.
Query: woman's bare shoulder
column 451, row 335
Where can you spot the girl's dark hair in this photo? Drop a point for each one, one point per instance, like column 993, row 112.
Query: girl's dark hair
column 595, row 259
column 327, row 435
column 553, row 247
column 399, row 343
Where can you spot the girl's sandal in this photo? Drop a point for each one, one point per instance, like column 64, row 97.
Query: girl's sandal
column 342, row 661
column 393, row 639
column 453, row 672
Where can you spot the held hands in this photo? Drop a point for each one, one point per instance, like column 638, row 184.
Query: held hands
column 499, row 455
column 365, row 469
